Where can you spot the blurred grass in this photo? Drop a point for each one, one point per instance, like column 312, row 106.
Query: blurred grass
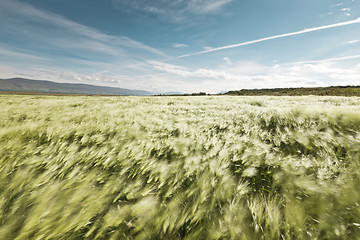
column 179, row 167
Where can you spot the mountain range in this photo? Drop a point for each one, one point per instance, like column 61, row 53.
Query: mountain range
column 28, row 85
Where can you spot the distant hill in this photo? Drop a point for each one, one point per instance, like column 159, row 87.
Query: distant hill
column 27, row 85
column 319, row 91
column 172, row 93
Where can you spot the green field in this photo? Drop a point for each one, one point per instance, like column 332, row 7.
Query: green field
column 204, row 167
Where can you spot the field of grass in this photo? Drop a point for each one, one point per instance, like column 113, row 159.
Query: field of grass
column 210, row 167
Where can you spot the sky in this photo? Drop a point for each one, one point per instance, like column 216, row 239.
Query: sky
column 182, row 45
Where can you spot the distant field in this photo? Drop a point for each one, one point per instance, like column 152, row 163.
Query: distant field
column 209, row 167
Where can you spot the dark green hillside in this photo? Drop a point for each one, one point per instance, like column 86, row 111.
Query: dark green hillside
column 318, row 91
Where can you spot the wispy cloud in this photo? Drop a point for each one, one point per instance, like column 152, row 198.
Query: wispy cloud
column 336, row 5
column 353, row 41
column 275, row 37
column 227, row 60
column 180, row 45
column 17, row 54
column 328, row 60
column 185, row 72
column 206, row 6
column 208, row 48
column 176, row 10
column 34, row 15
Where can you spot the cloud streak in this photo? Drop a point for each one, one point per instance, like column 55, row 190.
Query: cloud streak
column 329, row 60
column 275, row 37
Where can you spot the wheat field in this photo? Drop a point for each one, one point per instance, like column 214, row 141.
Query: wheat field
column 207, row 167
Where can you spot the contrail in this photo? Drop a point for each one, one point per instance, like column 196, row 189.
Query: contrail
column 274, row 37
column 327, row 60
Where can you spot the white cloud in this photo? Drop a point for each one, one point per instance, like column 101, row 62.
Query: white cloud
column 170, row 68
column 275, row 37
column 251, row 75
column 353, row 41
column 227, row 60
column 163, row 77
column 180, row 45
column 336, row 5
column 185, row 72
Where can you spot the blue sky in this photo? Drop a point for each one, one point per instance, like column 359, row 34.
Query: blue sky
column 182, row 45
